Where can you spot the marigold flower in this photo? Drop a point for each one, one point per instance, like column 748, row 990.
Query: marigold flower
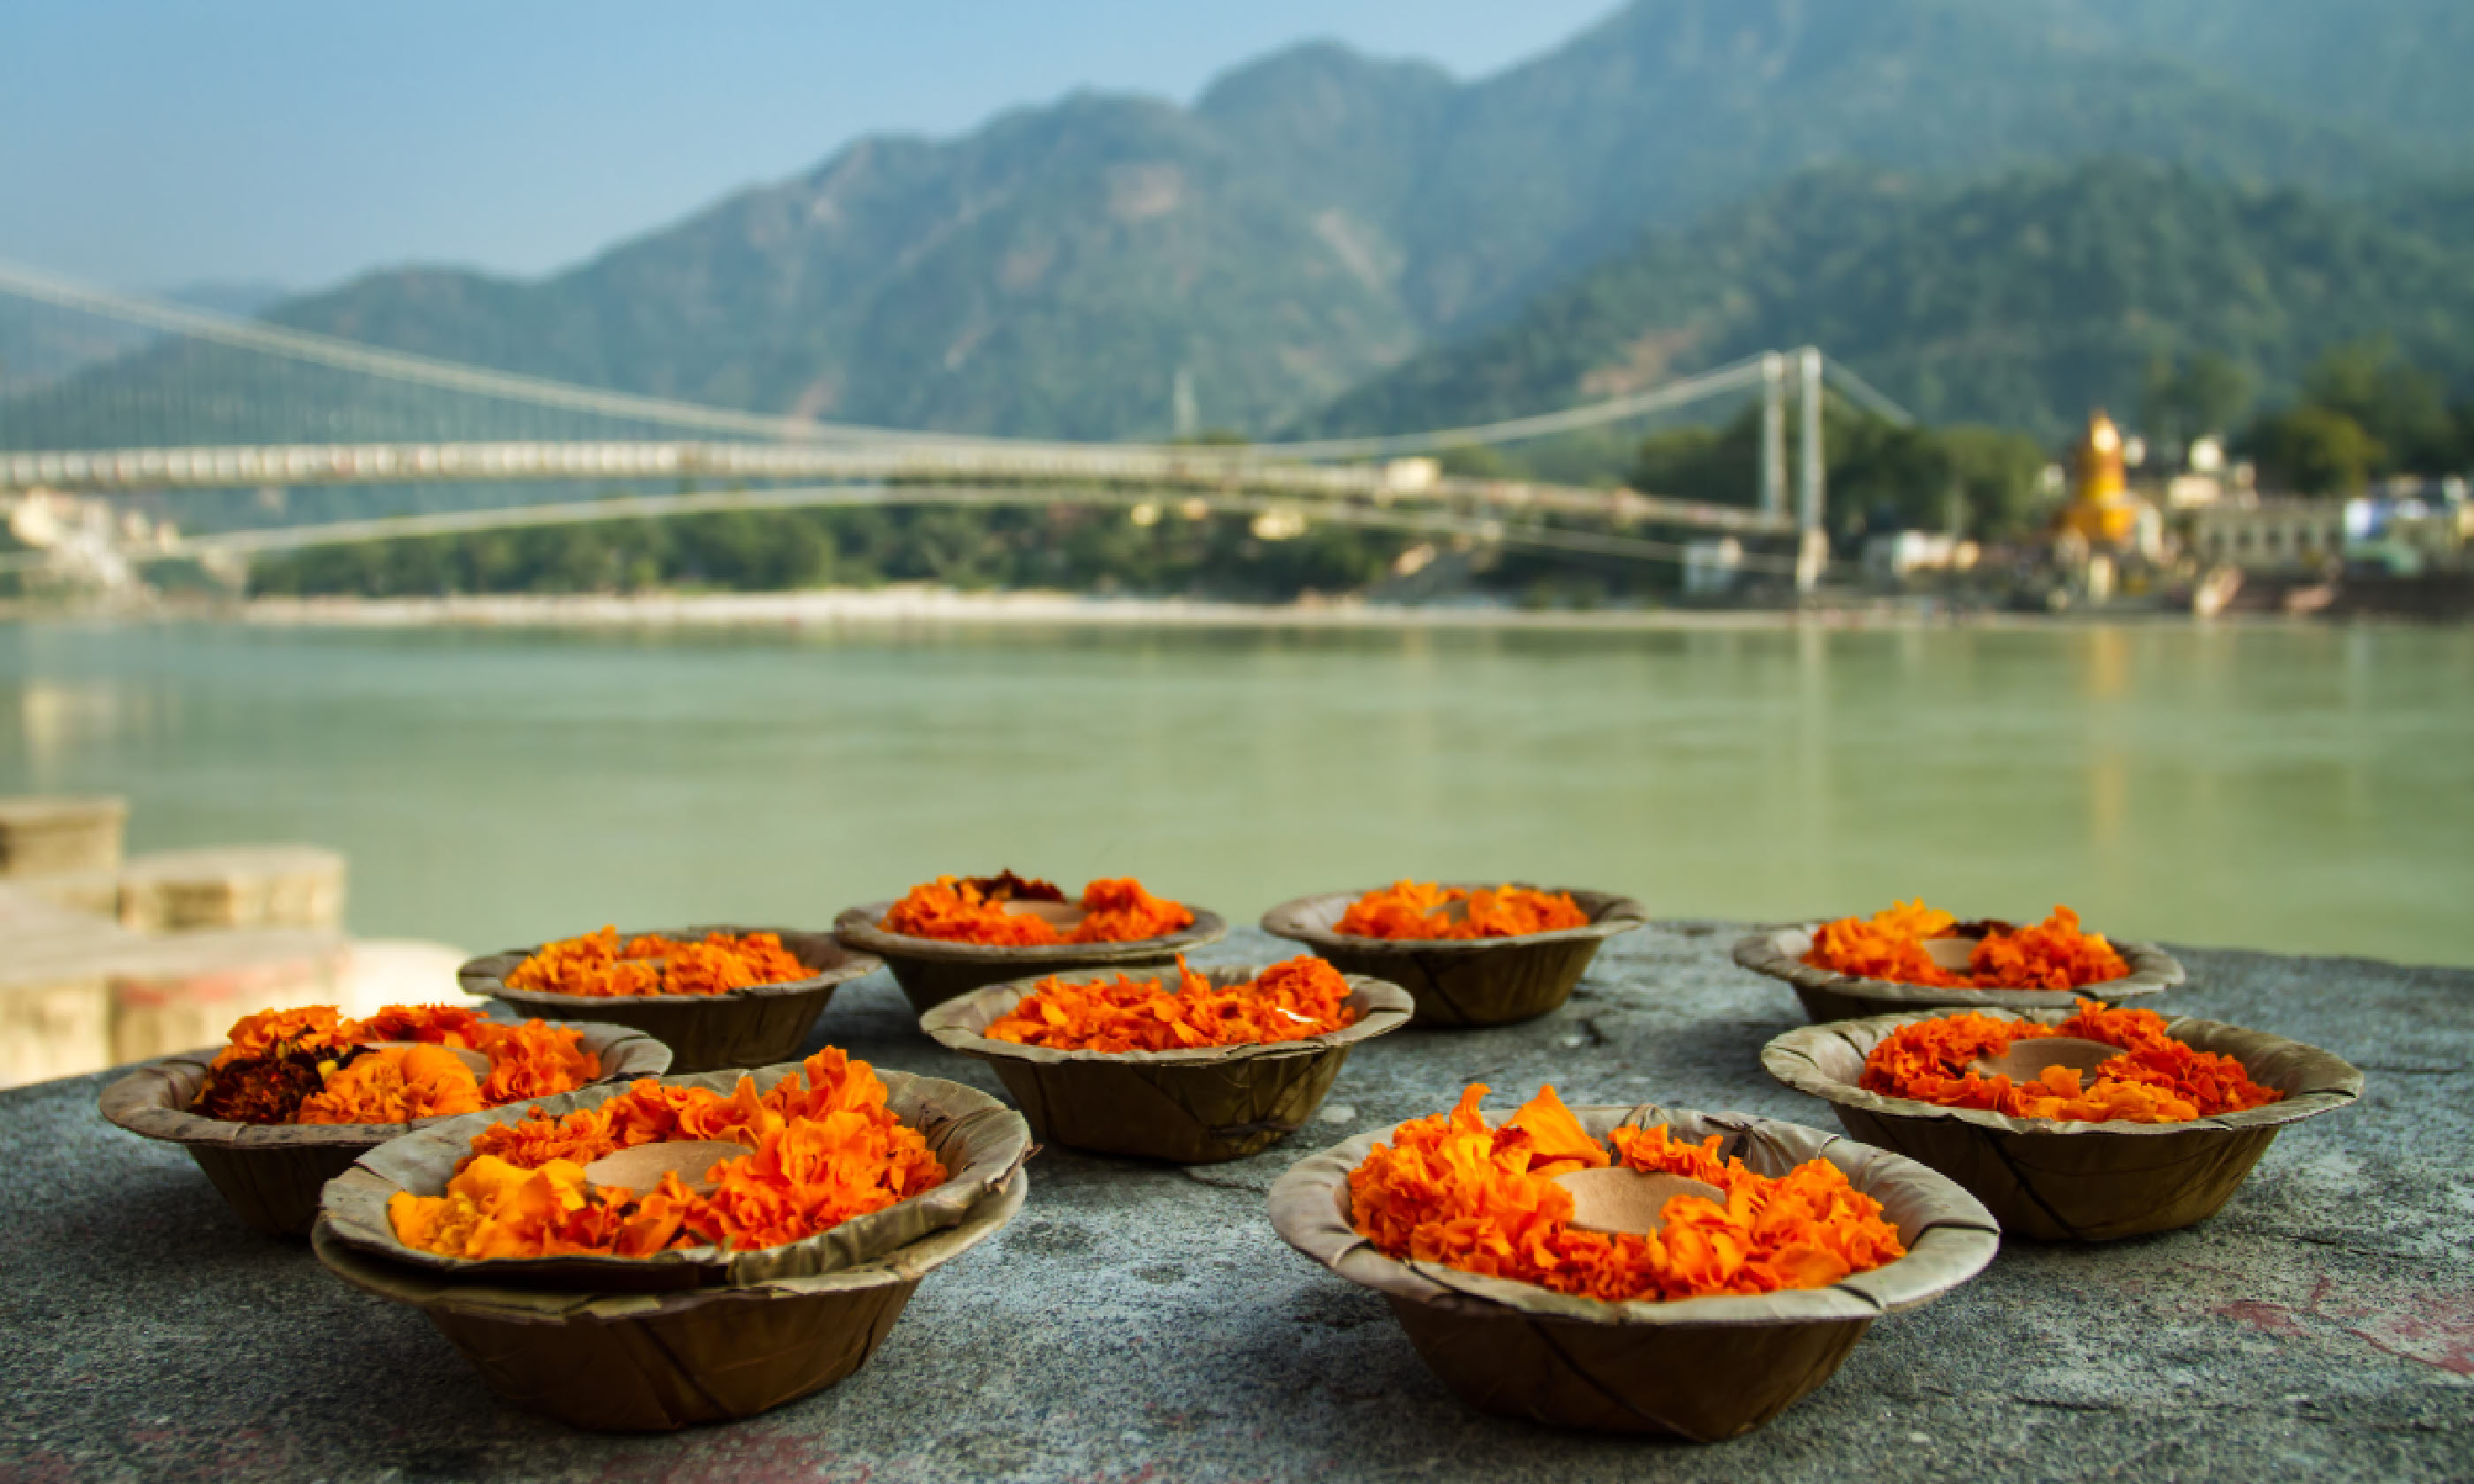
column 310, row 1066
column 1452, row 1190
column 822, row 1147
column 1423, row 910
column 1288, row 1001
column 310, row 1027
column 2155, row 1079
column 395, row 1085
column 2053, row 955
column 598, row 964
column 973, row 910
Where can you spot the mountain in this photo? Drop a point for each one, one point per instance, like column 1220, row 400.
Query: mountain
column 1312, row 220
column 2394, row 65
column 1669, row 108
column 2021, row 301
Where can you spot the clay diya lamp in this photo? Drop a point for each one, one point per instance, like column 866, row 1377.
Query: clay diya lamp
column 2059, row 1179
column 272, row 1173
column 751, row 1027
column 1464, row 981
column 933, row 970
column 1703, row 1369
column 1195, row 1107
column 1831, row 995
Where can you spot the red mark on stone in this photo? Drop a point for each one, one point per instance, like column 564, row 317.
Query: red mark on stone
column 2412, row 1324
column 2437, row 1332
column 2272, row 1318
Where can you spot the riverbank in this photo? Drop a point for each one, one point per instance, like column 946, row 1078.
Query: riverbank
column 909, row 603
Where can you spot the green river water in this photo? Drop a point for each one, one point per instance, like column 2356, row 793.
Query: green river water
column 2286, row 787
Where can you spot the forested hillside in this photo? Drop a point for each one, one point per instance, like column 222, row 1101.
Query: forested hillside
column 2021, row 301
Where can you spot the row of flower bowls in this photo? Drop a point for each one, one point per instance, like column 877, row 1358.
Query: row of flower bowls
column 694, row 1351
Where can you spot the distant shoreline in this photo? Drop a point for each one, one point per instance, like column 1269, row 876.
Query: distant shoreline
column 909, row 605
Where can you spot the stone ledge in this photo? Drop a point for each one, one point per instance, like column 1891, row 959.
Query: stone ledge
column 1139, row 1320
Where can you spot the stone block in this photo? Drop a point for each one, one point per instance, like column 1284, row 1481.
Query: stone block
column 62, row 1028
column 255, row 886
column 93, row 893
column 47, row 836
column 182, row 992
column 55, row 1005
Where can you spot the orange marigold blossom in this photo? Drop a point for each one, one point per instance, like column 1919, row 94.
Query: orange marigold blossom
column 310, row 1066
column 822, row 1147
column 2054, row 954
column 975, row 910
column 1422, row 910
column 395, row 1085
column 1288, row 1001
column 2155, row 1079
column 254, row 1036
column 1452, row 1190
column 600, row 964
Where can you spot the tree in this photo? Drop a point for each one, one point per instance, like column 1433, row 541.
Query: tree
column 2402, row 407
column 2182, row 403
column 2314, row 450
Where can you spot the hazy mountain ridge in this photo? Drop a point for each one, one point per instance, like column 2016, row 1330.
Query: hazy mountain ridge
column 1313, row 219
column 2020, row 301
column 2394, row 65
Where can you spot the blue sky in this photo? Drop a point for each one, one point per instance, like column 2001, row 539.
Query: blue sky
column 149, row 145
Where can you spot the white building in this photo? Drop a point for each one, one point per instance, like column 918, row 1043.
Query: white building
column 1893, row 555
column 2404, row 535
column 2269, row 535
column 1711, row 568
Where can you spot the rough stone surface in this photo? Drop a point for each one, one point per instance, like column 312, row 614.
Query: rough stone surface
column 1141, row 1321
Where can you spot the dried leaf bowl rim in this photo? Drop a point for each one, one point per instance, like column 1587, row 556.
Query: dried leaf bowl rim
column 1779, row 952
column 426, row 1291
column 1949, row 1235
column 486, row 974
column 354, row 1204
column 152, row 1101
column 1611, row 914
column 857, row 925
column 2314, row 1081
column 1382, row 1007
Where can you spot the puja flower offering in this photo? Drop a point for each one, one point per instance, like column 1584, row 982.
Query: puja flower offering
column 978, row 909
column 2156, row 1079
column 1485, row 1199
column 822, row 1147
column 1422, row 910
column 1891, row 944
column 1288, row 1001
column 598, row 964
column 311, row 1065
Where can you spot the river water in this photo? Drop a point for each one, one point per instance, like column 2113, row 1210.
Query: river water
column 2286, row 787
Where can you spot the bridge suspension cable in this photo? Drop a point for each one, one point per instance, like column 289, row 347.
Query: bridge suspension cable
column 407, row 367
column 1863, row 394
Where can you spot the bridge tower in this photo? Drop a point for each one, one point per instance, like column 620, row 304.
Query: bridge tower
column 1773, row 489
column 1812, row 543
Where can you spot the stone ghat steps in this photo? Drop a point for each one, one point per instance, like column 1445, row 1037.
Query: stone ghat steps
column 105, row 958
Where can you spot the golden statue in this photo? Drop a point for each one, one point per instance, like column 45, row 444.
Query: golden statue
column 2102, row 510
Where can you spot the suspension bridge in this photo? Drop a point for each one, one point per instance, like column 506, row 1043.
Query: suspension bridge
column 107, row 394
